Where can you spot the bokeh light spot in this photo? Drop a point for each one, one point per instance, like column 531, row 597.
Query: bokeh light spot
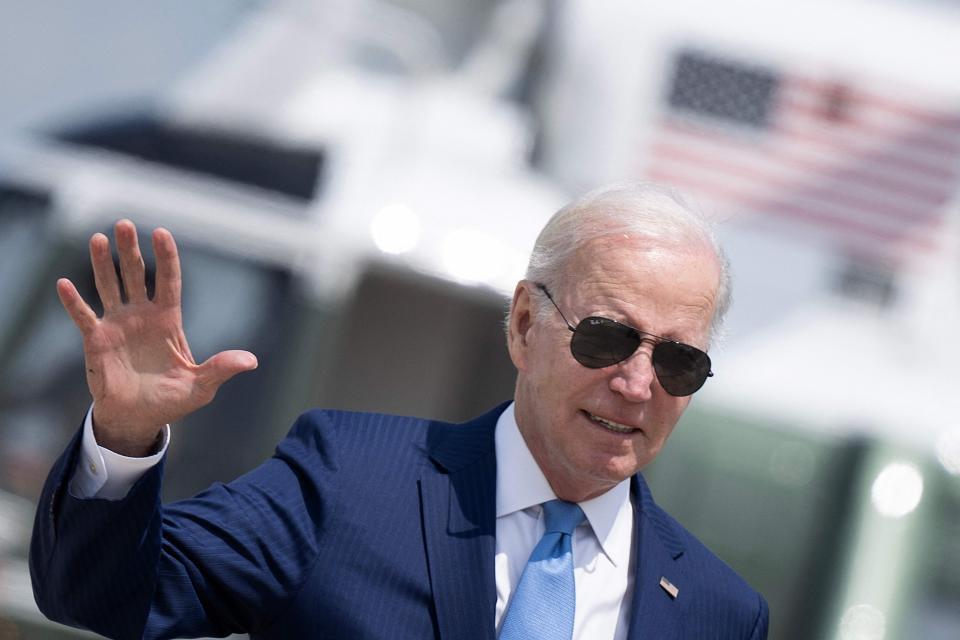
column 897, row 489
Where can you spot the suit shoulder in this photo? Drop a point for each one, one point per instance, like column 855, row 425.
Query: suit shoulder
column 354, row 435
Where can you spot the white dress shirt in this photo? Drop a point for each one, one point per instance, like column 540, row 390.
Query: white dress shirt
column 101, row 473
column 602, row 546
column 602, row 557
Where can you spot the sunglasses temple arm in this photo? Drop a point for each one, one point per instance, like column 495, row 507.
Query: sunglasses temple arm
column 543, row 288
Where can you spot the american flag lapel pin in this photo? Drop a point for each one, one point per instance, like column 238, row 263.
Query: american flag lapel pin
column 668, row 586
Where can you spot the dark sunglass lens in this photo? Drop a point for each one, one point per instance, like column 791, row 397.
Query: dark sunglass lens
column 600, row 342
column 681, row 369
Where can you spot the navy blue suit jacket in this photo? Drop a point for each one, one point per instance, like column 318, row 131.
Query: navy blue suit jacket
column 360, row 526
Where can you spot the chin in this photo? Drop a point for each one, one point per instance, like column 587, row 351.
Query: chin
column 616, row 470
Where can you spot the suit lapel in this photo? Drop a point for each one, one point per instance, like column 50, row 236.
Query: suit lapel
column 458, row 498
column 458, row 501
column 659, row 550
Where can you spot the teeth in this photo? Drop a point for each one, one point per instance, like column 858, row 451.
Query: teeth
column 613, row 426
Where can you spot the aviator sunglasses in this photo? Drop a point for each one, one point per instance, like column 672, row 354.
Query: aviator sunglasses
column 600, row 342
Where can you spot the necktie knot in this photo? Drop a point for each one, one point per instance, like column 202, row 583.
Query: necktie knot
column 562, row 517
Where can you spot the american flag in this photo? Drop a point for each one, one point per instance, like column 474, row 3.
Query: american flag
column 869, row 171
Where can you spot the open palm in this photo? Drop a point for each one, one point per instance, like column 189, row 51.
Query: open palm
column 139, row 367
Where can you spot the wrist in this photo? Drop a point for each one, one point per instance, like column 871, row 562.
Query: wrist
column 132, row 443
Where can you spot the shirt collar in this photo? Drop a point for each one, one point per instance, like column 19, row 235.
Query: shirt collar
column 521, row 485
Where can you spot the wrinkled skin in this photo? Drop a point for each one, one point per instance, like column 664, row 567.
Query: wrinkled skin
column 667, row 290
column 139, row 367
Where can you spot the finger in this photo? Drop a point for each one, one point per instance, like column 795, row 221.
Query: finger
column 131, row 261
column 80, row 312
column 104, row 273
column 168, row 268
column 223, row 366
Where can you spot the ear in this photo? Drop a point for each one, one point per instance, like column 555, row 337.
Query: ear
column 521, row 321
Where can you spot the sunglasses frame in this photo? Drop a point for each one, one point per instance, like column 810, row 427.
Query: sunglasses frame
column 644, row 337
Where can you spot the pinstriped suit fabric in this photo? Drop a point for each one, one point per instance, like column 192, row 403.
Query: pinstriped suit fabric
column 360, row 526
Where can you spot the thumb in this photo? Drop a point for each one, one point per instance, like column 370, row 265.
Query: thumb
column 221, row 367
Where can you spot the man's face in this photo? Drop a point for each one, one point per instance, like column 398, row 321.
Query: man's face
column 561, row 405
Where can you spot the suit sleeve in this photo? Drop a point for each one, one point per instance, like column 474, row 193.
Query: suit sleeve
column 225, row 561
column 763, row 621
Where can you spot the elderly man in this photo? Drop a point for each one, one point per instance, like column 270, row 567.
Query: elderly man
column 531, row 521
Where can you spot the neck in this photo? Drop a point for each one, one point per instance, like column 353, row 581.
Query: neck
column 568, row 484
column 576, row 494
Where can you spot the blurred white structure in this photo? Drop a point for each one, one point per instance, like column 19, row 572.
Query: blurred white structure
column 384, row 150
column 441, row 145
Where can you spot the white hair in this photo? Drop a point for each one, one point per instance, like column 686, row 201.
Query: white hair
column 640, row 209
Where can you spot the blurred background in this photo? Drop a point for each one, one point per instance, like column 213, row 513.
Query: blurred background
column 355, row 186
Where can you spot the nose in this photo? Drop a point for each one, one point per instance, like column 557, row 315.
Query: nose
column 633, row 378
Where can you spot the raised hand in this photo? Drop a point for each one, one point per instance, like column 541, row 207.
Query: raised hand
column 139, row 367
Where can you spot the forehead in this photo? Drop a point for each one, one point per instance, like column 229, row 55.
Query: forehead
column 664, row 287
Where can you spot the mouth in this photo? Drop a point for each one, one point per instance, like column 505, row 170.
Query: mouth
column 610, row 425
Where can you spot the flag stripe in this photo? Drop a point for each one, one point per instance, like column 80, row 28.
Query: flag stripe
column 945, row 119
column 831, row 195
column 868, row 234
column 800, row 114
column 900, row 179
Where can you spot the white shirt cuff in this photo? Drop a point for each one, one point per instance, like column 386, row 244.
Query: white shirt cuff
column 102, row 473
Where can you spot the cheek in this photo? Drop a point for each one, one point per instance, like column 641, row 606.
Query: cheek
column 669, row 414
column 552, row 366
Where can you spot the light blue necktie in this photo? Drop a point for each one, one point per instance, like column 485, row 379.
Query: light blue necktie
column 543, row 606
